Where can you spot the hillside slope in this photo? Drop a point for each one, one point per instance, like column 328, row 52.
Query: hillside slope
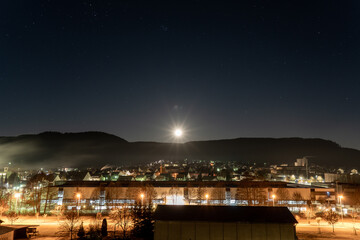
column 95, row 149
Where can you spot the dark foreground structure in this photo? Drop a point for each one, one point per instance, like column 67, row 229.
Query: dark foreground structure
column 223, row 222
column 12, row 232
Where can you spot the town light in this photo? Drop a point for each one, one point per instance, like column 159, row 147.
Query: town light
column 207, row 198
column 342, row 213
column 16, row 196
column 142, row 198
column 78, row 195
column 273, row 198
column 340, row 198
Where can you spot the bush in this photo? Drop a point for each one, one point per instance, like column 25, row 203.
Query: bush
column 81, row 232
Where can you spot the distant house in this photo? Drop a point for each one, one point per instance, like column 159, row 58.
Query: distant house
column 181, row 177
column 223, row 222
column 150, row 176
column 114, row 176
column 140, row 177
column 124, row 173
column 105, row 177
column 78, row 176
column 193, row 176
column 221, row 178
column 204, row 174
column 96, row 176
column 126, row 178
column 209, row 178
column 163, row 177
column 52, row 179
column 237, row 177
column 173, row 169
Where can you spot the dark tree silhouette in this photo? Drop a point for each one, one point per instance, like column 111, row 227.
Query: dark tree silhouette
column 104, row 231
column 143, row 221
column 81, row 232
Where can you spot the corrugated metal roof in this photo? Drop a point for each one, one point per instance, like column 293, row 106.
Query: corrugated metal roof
column 250, row 214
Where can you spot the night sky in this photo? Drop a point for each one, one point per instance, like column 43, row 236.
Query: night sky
column 220, row 69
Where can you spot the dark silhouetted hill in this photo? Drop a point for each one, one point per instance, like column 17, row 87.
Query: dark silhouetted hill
column 95, row 149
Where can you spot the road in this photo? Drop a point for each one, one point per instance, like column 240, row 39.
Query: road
column 313, row 231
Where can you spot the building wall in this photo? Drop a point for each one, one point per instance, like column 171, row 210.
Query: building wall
column 320, row 194
column 179, row 195
column 305, row 192
column 86, row 192
column 177, row 230
column 344, row 178
column 122, row 192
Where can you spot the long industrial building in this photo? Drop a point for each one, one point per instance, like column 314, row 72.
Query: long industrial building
column 100, row 195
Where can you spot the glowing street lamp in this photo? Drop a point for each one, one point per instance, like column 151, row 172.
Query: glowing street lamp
column 78, row 196
column 16, row 196
column 207, row 198
column 342, row 215
column 273, row 198
column 142, row 198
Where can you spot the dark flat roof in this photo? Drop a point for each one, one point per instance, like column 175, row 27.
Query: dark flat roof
column 262, row 184
column 4, row 230
column 247, row 214
column 18, row 226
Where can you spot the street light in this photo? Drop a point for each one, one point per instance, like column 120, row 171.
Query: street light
column 207, row 198
column 342, row 215
column 78, row 196
column 273, row 198
column 17, row 196
column 142, row 198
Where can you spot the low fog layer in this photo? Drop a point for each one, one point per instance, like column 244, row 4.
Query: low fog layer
column 95, row 149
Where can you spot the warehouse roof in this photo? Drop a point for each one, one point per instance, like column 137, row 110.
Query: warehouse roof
column 4, row 230
column 247, row 214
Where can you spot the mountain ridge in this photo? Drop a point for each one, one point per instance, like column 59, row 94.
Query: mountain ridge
column 94, row 149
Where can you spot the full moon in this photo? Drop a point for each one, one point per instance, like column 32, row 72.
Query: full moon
column 178, row 132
